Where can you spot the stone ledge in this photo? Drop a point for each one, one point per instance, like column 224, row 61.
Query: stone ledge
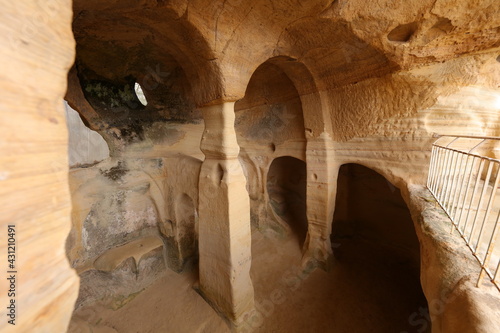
column 449, row 272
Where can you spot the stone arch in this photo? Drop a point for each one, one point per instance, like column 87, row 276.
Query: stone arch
column 172, row 62
column 269, row 124
column 383, row 203
column 317, row 151
column 318, row 155
column 176, row 36
column 313, row 100
column 271, row 93
column 375, row 243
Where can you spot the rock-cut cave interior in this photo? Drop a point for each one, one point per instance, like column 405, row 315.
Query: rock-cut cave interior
column 187, row 166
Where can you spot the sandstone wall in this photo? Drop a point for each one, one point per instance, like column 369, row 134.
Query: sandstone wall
column 135, row 214
column 325, row 82
column 328, row 83
column 37, row 51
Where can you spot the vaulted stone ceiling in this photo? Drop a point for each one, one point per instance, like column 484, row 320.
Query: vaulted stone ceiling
column 219, row 44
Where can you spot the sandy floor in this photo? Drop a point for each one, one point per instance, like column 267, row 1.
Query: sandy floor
column 368, row 290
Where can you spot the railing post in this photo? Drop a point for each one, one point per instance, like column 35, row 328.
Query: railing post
column 461, row 181
column 431, row 166
column 471, row 174
column 451, row 181
column 491, row 202
column 474, row 191
column 484, row 268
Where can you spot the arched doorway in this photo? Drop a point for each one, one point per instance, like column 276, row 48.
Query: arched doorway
column 377, row 251
column 269, row 124
column 271, row 134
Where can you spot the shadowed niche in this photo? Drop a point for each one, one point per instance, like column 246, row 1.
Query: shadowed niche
column 375, row 243
column 286, row 186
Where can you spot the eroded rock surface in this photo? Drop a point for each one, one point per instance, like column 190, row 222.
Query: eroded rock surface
column 314, row 86
column 248, row 111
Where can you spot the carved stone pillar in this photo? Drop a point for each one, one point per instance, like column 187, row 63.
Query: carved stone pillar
column 224, row 217
column 322, row 173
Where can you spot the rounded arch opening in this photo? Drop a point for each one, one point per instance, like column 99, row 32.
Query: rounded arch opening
column 307, row 88
column 271, row 111
column 376, row 247
column 269, row 123
column 175, row 72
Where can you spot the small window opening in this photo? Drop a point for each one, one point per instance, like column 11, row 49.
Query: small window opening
column 140, row 94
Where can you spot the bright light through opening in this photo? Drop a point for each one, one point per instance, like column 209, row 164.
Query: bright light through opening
column 140, row 94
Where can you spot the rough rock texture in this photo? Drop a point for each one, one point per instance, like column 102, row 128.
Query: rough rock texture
column 37, row 51
column 147, row 191
column 233, row 88
column 449, row 273
column 326, row 83
column 119, row 202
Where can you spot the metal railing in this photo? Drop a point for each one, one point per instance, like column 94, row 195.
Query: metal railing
column 463, row 177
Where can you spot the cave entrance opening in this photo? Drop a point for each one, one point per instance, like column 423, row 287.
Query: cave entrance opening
column 376, row 248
